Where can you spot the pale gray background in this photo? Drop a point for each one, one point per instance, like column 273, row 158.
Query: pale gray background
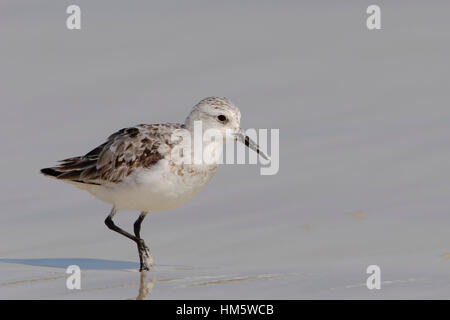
column 364, row 125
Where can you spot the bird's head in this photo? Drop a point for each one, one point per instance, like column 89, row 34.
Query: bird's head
column 221, row 115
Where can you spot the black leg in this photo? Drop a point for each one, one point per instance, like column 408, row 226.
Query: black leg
column 144, row 253
column 110, row 224
column 137, row 224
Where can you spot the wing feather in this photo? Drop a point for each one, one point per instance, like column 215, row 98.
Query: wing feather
column 122, row 154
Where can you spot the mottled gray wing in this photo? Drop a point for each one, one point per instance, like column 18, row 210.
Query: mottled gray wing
column 122, row 153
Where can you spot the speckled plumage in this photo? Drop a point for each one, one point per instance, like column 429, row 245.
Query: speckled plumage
column 124, row 152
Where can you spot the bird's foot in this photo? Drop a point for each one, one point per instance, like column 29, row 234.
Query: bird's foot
column 145, row 257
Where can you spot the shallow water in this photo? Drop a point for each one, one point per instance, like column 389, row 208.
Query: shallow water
column 364, row 150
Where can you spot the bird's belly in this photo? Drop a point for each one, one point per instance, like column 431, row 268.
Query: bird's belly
column 157, row 189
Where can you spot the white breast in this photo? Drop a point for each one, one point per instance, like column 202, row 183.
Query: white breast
column 164, row 186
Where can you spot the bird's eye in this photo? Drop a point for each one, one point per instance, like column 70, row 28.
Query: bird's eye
column 221, row 117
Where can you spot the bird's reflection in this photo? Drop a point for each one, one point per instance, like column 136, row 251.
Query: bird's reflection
column 145, row 287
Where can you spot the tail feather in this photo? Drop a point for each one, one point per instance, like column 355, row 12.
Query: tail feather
column 70, row 176
column 77, row 169
column 51, row 172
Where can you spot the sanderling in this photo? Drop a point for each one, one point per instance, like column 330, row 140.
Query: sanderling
column 135, row 169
